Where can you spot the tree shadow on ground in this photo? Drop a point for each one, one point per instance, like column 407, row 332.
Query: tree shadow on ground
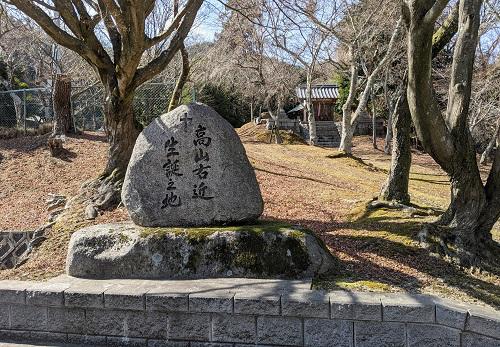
column 96, row 137
column 385, row 250
column 65, row 155
column 358, row 160
column 25, row 144
column 438, row 182
column 29, row 144
column 293, row 176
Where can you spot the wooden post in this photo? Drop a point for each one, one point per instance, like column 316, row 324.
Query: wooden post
column 63, row 122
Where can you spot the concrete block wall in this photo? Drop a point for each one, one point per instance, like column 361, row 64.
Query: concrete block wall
column 13, row 247
column 163, row 313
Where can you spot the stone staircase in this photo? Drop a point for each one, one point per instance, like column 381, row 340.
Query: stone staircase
column 327, row 134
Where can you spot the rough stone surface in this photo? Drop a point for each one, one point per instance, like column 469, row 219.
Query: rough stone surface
column 233, row 328
column 24, row 317
column 355, row 306
column 279, row 331
column 408, row 308
column 257, row 302
column 12, row 292
column 4, row 316
column 327, row 333
column 93, row 340
column 427, row 335
column 189, row 168
column 451, row 316
column 369, row 334
column 476, row 340
column 217, row 301
column 129, row 251
column 313, row 304
column 193, row 327
column 246, row 323
column 483, row 323
column 66, row 320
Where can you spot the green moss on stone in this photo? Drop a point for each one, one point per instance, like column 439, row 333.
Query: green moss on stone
column 266, row 248
column 201, row 233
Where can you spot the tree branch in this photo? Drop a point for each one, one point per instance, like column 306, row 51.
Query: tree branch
column 158, row 64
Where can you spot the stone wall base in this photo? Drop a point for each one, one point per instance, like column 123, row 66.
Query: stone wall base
column 233, row 312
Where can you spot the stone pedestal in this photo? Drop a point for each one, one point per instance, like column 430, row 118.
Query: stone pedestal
column 265, row 250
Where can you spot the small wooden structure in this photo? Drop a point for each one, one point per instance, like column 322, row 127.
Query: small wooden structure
column 323, row 98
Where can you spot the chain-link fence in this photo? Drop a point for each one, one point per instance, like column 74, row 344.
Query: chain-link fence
column 31, row 108
column 25, row 108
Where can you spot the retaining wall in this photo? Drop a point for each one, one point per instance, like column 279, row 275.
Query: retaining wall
column 234, row 313
column 13, row 247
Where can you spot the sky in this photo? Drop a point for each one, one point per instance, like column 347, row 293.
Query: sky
column 208, row 22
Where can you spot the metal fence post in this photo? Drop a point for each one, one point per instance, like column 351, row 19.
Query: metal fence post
column 194, row 93
column 24, row 110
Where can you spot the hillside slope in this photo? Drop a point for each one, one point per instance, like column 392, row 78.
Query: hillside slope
column 304, row 185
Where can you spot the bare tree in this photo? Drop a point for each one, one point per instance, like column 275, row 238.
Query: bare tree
column 464, row 230
column 395, row 187
column 183, row 77
column 303, row 43
column 77, row 25
column 349, row 119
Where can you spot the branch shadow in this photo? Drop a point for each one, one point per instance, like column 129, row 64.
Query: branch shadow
column 398, row 245
column 358, row 160
column 438, row 182
column 292, row 176
column 65, row 155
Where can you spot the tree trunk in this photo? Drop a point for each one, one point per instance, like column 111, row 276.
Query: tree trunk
column 122, row 133
column 391, row 109
column 396, row 185
column 177, row 94
column 464, row 231
column 310, row 110
column 63, row 121
column 105, row 192
column 495, row 139
column 347, row 128
column 388, row 135
column 374, row 121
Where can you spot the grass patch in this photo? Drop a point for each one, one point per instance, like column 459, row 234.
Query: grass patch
column 352, row 284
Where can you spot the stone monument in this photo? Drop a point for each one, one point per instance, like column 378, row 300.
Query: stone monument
column 194, row 202
column 189, row 168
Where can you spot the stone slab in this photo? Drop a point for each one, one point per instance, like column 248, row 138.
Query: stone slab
column 233, row 328
column 126, row 297
column 408, row 308
column 484, row 322
column 429, row 335
column 356, row 306
column 258, row 302
column 369, row 334
column 13, row 292
column 217, row 301
column 86, row 294
column 279, row 331
column 46, row 293
column 328, row 333
column 308, row 304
